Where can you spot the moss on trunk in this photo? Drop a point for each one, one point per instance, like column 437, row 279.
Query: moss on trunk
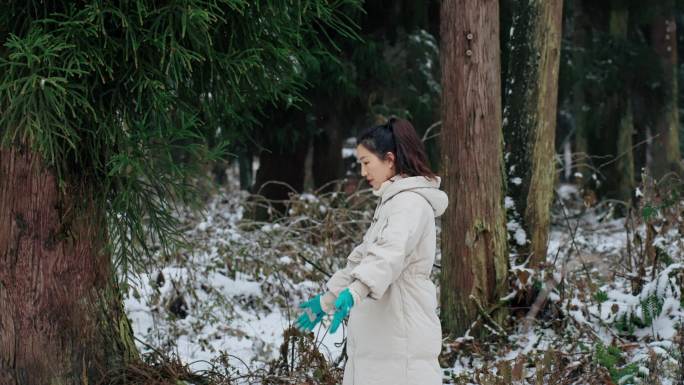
column 530, row 119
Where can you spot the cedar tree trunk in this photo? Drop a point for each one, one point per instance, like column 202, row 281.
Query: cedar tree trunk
column 474, row 257
column 61, row 319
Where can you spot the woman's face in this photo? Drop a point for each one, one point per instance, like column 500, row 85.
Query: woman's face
column 374, row 169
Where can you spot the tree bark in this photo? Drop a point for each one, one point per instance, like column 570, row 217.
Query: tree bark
column 530, row 120
column 62, row 320
column 474, row 257
column 665, row 152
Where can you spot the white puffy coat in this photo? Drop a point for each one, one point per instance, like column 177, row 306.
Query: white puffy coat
column 394, row 334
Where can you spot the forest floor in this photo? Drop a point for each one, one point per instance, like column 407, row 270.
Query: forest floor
column 224, row 305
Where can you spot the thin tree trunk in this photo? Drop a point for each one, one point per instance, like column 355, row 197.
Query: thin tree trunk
column 474, row 258
column 665, row 149
column 620, row 181
column 61, row 319
column 327, row 153
column 580, row 109
column 219, row 166
column 245, row 167
column 530, row 119
column 625, row 152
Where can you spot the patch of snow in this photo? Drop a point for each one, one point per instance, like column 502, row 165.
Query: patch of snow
column 520, row 236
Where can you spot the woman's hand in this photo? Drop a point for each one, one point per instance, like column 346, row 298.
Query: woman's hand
column 344, row 303
column 312, row 315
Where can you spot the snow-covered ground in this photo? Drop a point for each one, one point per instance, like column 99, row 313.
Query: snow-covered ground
column 231, row 298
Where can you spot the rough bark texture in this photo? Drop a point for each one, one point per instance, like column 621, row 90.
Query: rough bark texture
column 530, row 119
column 474, row 258
column 62, row 318
column 665, row 148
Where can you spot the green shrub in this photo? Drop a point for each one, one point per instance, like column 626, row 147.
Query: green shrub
column 611, row 358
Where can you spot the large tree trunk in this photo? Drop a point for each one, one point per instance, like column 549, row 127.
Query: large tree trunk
column 530, row 120
column 61, row 319
column 474, row 258
column 665, row 153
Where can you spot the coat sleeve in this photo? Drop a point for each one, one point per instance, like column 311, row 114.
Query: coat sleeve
column 398, row 237
column 342, row 278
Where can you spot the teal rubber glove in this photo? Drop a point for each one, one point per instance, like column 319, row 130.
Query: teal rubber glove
column 312, row 315
column 343, row 305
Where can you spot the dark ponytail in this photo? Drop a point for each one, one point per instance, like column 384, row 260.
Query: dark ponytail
column 400, row 138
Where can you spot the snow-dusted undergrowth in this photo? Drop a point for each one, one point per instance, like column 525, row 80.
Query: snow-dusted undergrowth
column 604, row 321
column 229, row 300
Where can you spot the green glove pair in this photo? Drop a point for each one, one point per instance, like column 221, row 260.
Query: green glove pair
column 313, row 313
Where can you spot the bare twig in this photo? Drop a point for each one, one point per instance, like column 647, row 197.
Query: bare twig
column 427, row 136
column 486, row 315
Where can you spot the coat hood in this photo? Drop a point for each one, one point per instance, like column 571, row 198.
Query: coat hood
column 428, row 188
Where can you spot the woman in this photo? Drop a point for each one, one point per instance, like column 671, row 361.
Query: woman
column 394, row 333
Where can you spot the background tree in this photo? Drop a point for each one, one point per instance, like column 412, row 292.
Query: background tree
column 474, row 257
column 106, row 109
column 620, row 180
column 578, row 28
column 664, row 152
column 529, row 121
column 390, row 69
column 618, row 90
